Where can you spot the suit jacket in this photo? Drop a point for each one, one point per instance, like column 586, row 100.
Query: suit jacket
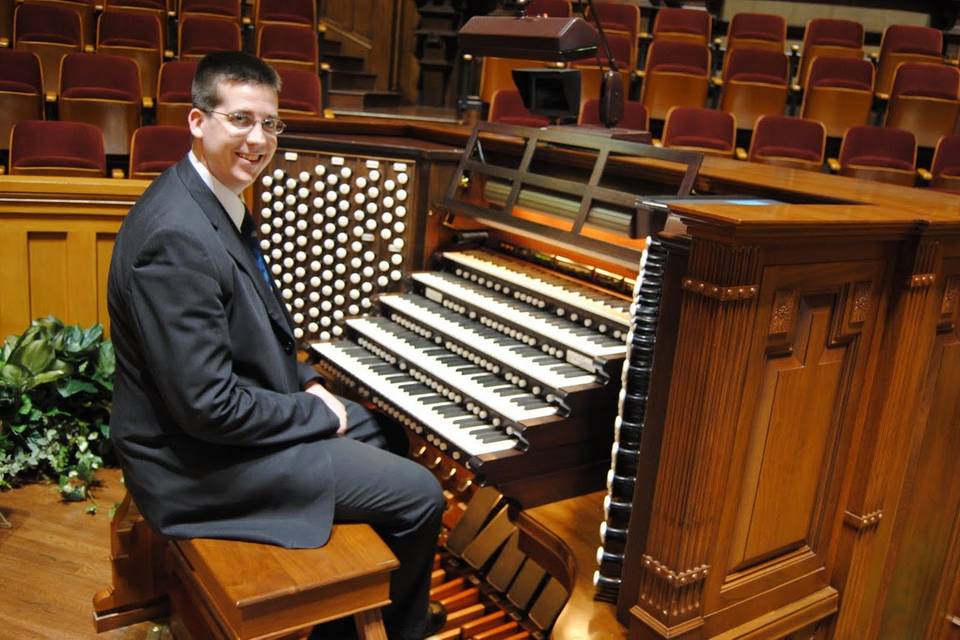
column 215, row 437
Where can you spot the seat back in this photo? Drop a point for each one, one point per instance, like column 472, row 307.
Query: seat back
column 135, row 35
column 879, row 153
column 946, row 164
column 755, row 83
column 102, row 90
column 155, row 148
column 21, row 90
column 634, row 115
column 200, row 35
column 677, row 74
column 615, row 16
column 832, row 38
column 49, row 147
column 926, row 100
column 685, row 25
column 301, row 12
column 705, row 130
column 591, row 75
column 507, row 108
column 757, row 30
column 300, row 93
column 905, row 43
column 86, row 9
column 51, row 32
column 497, row 73
column 157, row 8
column 289, row 46
column 174, row 99
column 549, row 8
column 227, row 9
column 790, row 142
column 838, row 93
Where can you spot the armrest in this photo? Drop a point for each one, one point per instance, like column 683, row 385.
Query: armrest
column 147, row 102
column 741, row 153
column 834, row 165
column 925, row 175
column 116, row 174
column 50, row 97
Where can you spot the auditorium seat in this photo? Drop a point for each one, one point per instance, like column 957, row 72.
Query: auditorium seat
column 156, row 147
column 507, row 108
column 135, row 35
column 676, row 74
column 228, row 9
column 904, row 43
column 289, row 46
column 946, row 164
column 755, row 83
column 173, row 92
column 634, row 115
column 591, row 75
column 21, row 90
column 879, row 153
column 615, row 16
column 788, row 142
column 301, row 12
column 102, row 90
column 300, row 93
column 839, row 93
column 200, row 35
column 156, row 8
column 49, row 147
column 549, row 8
column 685, row 25
column 51, row 32
column 828, row 37
column 756, row 31
column 6, row 22
column 497, row 73
column 708, row 131
column 925, row 100
column 87, row 10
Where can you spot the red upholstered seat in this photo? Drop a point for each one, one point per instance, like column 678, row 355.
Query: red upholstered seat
column 687, row 25
column 634, row 115
column 591, row 75
column 879, row 153
column 173, row 92
column 926, row 100
column 290, row 46
column 136, row 35
column 755, row 84
column 619, row 17
column 302, row 12
column 549, row 8
column 200, row 35
column 507, row 108
column 43, row 147
column 756, row 31
column 155, row 148
column 51, row 32
column 946, row 164
column 839, row 93
column 229, row 9
column 102, row 90
column 300, row 93
column 791, row 142
column 21, row 90
column 827, row 37
column 706, row 130
column 676, row 74
column 156, row 8
column 903, row 43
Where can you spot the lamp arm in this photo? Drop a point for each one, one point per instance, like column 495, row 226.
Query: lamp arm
column 603, row 38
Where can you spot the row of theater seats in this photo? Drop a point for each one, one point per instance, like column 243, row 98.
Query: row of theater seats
column 910, row 86
column 105, row 90
column 54, row 28
column 50, row 147
column 877, row 153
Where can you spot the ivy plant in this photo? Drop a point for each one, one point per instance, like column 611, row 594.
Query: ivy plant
column 56, row 385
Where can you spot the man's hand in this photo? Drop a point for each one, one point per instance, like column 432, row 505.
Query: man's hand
column 317, row 389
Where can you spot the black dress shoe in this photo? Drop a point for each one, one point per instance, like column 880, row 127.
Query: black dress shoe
column 436, row 617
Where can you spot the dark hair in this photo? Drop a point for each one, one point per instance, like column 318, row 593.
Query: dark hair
column 229, row 66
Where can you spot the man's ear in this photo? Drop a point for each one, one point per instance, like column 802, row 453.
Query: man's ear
column 194, row 120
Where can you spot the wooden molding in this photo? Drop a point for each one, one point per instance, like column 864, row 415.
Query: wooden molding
column 921, row 280
column 724, row 294
column 863, row 523
column 951, row 295
column 784, row 312
column 673, row 577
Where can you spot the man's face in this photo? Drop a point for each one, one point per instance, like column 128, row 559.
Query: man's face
column 234, row 156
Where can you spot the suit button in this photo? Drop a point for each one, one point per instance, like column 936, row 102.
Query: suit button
column 288, row 346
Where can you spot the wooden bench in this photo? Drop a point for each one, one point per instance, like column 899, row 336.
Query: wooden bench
column 243, row 590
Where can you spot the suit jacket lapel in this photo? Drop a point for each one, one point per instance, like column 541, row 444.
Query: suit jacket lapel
column 233, row 243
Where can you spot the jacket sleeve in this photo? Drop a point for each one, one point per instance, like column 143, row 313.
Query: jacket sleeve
column 306, row 373
column 177, row 304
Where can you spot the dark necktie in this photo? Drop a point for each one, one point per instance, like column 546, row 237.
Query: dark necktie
column 253, row 243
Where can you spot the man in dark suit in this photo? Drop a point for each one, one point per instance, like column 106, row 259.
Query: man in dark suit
column 221, row 433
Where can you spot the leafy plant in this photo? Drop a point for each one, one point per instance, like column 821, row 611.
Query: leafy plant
column 56, row 384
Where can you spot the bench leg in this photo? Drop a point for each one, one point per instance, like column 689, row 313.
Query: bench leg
column 370, row 625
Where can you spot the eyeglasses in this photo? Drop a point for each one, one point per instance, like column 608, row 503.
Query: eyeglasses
column 244, row 122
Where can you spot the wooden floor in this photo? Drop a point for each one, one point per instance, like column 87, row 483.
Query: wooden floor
column 53, row 559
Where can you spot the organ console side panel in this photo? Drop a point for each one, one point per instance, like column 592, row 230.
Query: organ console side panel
column 772, row 353
column 57, row 237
